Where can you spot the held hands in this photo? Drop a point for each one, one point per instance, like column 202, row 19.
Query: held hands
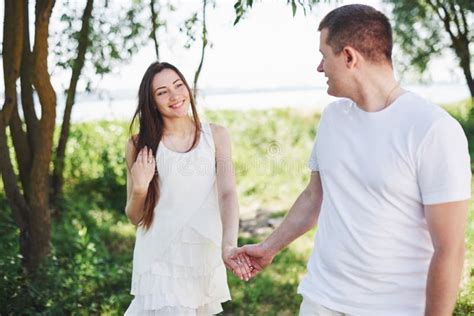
column 247, row 261
column 239, row 264
column 142, row 170
column 260, row 257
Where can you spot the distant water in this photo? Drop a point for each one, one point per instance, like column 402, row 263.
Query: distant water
column 121, row 104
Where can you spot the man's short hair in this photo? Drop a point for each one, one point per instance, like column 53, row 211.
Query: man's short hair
column 361, row 27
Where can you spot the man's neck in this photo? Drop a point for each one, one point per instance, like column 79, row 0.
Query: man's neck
column 376, row 90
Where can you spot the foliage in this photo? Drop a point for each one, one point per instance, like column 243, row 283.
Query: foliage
column 95, row 165
column 465, row 305
column 465, row 302
column 116, row 33
column 412, row 19
column 242, row 6
column 82, row 274
column 426, row 29
column 270, row 148
column 463, row 112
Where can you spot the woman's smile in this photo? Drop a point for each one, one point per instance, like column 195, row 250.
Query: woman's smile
column 177, row 104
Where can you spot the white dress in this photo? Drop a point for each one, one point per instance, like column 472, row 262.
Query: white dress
column 177, row 263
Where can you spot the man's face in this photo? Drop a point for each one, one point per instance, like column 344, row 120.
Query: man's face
column 332, row 65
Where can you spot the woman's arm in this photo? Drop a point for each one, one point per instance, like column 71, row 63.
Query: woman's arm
column 140, row 171
column 228, row 202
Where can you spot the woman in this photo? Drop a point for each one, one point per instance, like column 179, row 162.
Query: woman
column 181, row 194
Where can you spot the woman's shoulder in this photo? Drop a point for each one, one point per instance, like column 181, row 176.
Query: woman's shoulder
column 217, row 129
column 219, row 134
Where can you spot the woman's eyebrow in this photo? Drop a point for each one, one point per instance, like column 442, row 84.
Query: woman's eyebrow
column 165, row 87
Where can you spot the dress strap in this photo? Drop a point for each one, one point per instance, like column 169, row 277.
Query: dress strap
column 207, row 134
column 206, row 127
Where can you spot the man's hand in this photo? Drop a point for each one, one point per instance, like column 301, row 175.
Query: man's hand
column 237, row 262
column 259, row 257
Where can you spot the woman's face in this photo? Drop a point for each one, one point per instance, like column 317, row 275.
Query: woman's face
column 171, row 95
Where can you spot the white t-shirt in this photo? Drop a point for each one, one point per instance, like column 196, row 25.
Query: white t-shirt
column 372, row 247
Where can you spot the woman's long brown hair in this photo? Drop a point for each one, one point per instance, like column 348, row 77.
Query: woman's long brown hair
column 151, row 126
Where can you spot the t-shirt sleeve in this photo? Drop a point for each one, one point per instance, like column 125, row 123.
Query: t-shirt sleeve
column 313, row 159
column 443, row 164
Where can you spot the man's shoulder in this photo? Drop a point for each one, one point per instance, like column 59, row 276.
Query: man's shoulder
column 421, row 111
column 419, row 106
column 338, row 105
column 422, row 117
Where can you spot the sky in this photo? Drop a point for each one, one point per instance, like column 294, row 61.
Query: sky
column 268, row 49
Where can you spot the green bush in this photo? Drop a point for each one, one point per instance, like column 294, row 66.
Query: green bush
column 82, row 276
column 95, row 163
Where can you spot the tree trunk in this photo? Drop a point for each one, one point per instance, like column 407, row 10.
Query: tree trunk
column 71, row 94
column 12, row 51
column 12, row 48
column 38, row 235
column 451, row 17
column 462, row 50
column 30, row 209
column 12, row 55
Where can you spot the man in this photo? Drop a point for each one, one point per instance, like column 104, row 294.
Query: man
column 389, row 186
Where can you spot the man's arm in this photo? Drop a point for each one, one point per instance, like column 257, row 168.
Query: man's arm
column 302, row 216
column 447, row 225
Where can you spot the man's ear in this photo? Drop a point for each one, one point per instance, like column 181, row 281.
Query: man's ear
column 351, row 57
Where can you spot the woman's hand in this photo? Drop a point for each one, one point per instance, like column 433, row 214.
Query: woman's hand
column 239, row 264
column 258, row 256
column 142, row 171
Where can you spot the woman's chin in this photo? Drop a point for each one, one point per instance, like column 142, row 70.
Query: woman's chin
column 177, row 114
column 181, row 113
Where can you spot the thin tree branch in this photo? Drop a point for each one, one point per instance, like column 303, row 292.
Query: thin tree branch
column 446, row 20
column 154, row 24
column 460, row 45
column 27, row 100
column 16, row 199
column 464, row 21
column 203, row 50
column 70, row 100
column 455, row 19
